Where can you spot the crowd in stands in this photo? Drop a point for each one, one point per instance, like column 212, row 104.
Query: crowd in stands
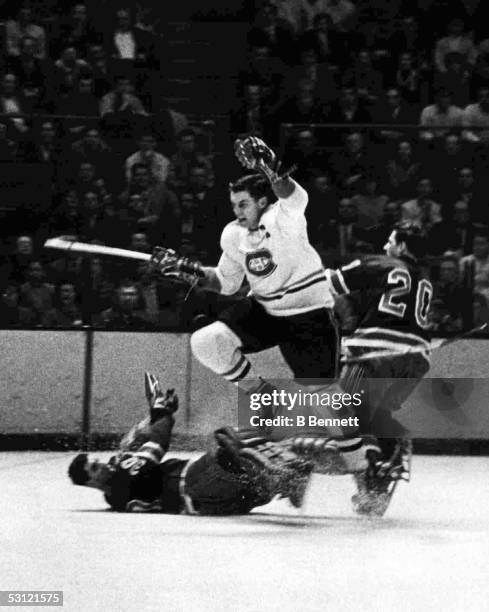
column 383, row 107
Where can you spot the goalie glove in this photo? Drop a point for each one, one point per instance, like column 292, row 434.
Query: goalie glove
column 168, row 263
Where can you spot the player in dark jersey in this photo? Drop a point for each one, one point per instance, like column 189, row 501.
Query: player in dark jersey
column 392, row 297
column 233, row 479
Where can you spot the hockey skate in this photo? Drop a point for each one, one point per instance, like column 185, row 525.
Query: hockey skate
column 337, row 456
column 377, row 484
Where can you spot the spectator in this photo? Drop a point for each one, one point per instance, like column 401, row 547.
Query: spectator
column 273, row 32
column 305, row 155
column 67, row 220
column 139, row 242
column 321, row 39
column 66, row 312
column 30, row 71
column 341, row 235
column 477, row 116
column 456, row 41
column 11, row 314
column 12, row 102
column 366, row 80
column 468, row 191
column 126, row 42
column 408, row 39
column 440, row 117
column 322, row 206
column 251, row 117
column 100, row 287
column 396, row 111
column 474, row 268
column 186, row 157
column 456, row 79
column 348, row 110
column 157, row 164
column 449, row 298
column 157, row 212
column 463, row 228
column 197, row 228
column 122, row 111
column 126, row 313
column 378, row 235
column 15, row 30
column 303, row 107
column 8, row 147
column 68, row 70
column 121, row 99
column 67, row 267
column 91, row 148
column 321, row 75
column 369, row 201
column 95, row 225
column 422, row 210
column 35, row 293
column 100, row 70
column 76, row 31
column 81, row 102
column 352, row 163
column 16, row 265
column 87, row 181
column 46, row 150
column 265, row 70
column 409, row 80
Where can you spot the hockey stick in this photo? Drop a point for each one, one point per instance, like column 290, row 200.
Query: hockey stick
column 414, row 350
column 93, row 249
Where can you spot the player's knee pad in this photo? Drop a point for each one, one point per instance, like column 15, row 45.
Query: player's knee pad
column 216, row 346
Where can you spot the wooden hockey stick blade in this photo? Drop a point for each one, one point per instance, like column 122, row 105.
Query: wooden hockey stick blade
column 94, row 249
column 414, row 351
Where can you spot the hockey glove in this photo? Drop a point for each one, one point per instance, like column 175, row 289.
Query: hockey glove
column 168, row 263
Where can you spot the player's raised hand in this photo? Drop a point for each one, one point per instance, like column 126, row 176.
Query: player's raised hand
column 254, row 154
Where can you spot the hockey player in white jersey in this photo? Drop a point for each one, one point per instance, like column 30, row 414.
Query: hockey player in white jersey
column 290, row 304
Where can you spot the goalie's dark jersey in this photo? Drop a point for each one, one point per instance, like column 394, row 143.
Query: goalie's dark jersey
column 138, row 483
column 200, row 486
column 393, row 297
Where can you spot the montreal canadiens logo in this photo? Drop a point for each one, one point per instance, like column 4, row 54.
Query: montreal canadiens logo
column 260, row 263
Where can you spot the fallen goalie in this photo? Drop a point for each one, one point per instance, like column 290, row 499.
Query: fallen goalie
column 232, row 479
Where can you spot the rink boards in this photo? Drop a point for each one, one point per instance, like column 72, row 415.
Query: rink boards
column 43, row 384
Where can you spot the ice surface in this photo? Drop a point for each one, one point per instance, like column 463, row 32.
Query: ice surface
column 430, row 551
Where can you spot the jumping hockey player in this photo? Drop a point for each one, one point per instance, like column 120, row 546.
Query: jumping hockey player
column 290, row 304
column 233, row 479
column 391, row 346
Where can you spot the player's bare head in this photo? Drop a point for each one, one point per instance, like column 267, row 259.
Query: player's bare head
column 88, row 472
column 406, row 239
column 250, row 195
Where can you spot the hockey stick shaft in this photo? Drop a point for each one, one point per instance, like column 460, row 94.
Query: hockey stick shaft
column 414, row 350
column 94, row 249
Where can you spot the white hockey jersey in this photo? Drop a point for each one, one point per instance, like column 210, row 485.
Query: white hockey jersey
column 284, row 271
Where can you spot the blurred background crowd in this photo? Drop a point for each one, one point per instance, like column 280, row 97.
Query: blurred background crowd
column 117, row 121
